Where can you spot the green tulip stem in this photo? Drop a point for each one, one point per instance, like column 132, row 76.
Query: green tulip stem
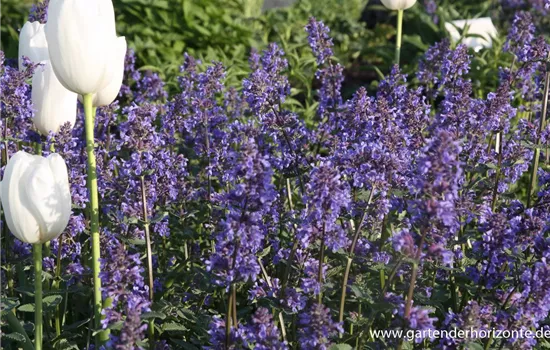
column 399, row 36
column 38, row 325
column 89, row 112
column 56, row 286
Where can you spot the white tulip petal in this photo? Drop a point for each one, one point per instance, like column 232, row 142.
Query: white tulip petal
column 81, row 40
column 20, row 221
column 32, row 43
column 108, row 94
column 63, row 190
column 54, row 105
column 398, row 4
column 483, row 29
column 40, row 194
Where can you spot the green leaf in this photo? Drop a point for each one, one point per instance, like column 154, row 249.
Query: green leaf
column 340, row 347
column 264, row 252
column 52, row 301
column 159, row 217
column 117, row 326
column 49, row 302
column 9, row 304
column 26, row 308
column 18, row 337
column 77, row 324
column 152, row 315
column 474, row 346
column 173, row 327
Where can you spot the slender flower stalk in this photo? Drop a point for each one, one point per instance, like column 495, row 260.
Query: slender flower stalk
column 321, row 260
column 4, row 227
column 228, row 321
column 270, row 284
column 149, row 256
column 536, row 158
column 350, row 258
column 234, row 294
column 412, row 284
column 414, row 274
column 295, row 243
column 94, row 212
column 38, row 324
column 399, row 36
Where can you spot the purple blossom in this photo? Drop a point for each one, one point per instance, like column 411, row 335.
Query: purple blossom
column 241, row 234
column 39, row 12
column 316, row 328
column 123, row 283
column 327, row 197
column 141, row 87
column 319, row 40
column 331, row 74
column 262, row 334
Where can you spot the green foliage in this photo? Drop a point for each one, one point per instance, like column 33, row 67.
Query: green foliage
column 14, row 15
column 162, row 30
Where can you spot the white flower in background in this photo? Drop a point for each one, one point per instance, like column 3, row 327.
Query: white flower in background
column 478, row 33
column 82, row 43
column 398, row 4
column 36, row 197
column 32, row 43
column 53, row 104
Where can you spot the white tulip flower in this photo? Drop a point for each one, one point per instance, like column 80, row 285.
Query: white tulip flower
column 54, row 105
column 82, row 42
column 36, row 197
column 398, row 4
column 482, row 29
column 32, row 43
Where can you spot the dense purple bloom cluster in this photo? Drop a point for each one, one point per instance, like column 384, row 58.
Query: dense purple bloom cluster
column 17, row 111
column 141, row 86
column 317, row 328
column 327, row 196
column 242, row 234
column 261, row 333
column 124, row 286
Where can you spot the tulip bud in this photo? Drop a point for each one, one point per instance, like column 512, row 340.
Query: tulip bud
column 36, row 197
column 54, row 105
column 82, row 42
column 106, row 96
column 32, row 43
column 398, row 4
